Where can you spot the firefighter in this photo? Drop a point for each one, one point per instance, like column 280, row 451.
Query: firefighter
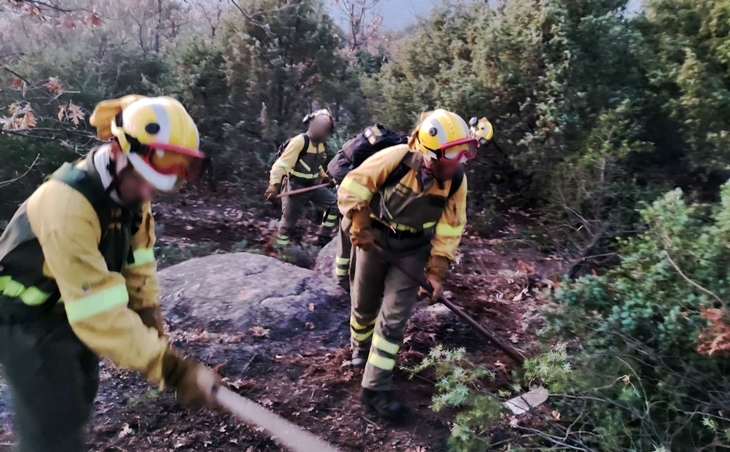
column 300, row 163
column 419, row 220
column 79, row 279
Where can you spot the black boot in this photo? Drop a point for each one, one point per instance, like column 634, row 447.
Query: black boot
column 384, row 402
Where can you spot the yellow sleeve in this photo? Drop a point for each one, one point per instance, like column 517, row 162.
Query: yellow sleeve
column 95, row 299
column 361, row 183
column 141, row 276
column 284, row 164
column 450, row 227
column 322, row 173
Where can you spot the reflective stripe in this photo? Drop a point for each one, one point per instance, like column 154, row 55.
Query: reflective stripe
column 381, row 362
column 332, row 217
column 354, row 323
column 357, row 189
column 281, row 163
column 31, row 296
column 327, row 224
column 342, row 260
column 448, row 230
column 303, row 176
column 395, row 226
column 385, row 345
column 304, row 164
column 283, row 241
column 97, row 303
column 360, row 337
column 142, row 256
column 341, row 272
column 429, row 225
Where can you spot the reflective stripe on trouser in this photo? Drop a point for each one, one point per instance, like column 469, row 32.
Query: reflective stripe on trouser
column 53, row 379
column 375, row 280
column 329, row 223
column 343, row 258
column 293, row 206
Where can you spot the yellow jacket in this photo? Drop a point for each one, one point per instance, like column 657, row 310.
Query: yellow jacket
column 100, row 304
column 402, row 204
column 309, row 166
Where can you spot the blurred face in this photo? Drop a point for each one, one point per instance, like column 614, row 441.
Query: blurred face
column 320, row 128
column 133, row 189
column 444, row 170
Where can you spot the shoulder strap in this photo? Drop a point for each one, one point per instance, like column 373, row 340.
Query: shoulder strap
column 81, row 181
column 456, row 181
column 305, row 148
column 400, row 170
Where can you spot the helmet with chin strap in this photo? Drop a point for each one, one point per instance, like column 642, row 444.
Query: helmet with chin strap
column 156, row 134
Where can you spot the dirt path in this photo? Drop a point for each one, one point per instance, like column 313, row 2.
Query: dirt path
column 304, row 380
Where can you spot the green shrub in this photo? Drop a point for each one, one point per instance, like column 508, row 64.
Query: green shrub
column 639, row 383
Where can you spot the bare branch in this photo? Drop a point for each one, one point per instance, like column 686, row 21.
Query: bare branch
column 252, row 19
column 12, row 181
column 686, row 278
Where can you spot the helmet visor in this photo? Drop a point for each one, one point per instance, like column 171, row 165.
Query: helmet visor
column 186, row 164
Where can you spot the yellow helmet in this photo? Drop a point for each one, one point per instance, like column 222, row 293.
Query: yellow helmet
column 481, row 129
column 157, row 135
column 445, row 136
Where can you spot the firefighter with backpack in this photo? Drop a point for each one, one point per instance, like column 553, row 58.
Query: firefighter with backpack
column 411, row 200
column 354, row 152
column 299, row 164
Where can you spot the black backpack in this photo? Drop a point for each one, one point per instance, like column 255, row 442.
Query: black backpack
column 373, row 139
column 282, row 148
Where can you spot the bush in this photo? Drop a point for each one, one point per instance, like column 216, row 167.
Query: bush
column 639, row 383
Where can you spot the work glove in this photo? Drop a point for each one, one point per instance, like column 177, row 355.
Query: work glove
column 272, row 192
column 437, row 271
column 327, row 180
column 152, row 318
column 362, row 233
column 195, row 384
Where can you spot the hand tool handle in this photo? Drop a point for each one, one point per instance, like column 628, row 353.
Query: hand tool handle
column 282, row 431
column 516, row 355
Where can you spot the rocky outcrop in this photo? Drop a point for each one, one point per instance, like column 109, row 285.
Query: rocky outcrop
column 326, row 260
column 230, row 293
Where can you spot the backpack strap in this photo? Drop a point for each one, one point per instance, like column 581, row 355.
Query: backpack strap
column 82, row 181
column 403, row 167
column 305, row 148
column 456, row 181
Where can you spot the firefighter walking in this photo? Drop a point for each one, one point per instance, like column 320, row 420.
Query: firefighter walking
column 299, row 165
column 79, row 279
column 418, row 217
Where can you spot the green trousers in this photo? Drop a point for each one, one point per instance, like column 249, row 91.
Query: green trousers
column 53, row 381
column 345, row 258
column 293, row 206
column 382, row 301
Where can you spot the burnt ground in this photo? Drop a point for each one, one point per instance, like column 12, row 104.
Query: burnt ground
column 303, row 379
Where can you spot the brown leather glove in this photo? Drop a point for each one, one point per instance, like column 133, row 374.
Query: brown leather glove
column 152, row 318
column 272, row 192
column 196, row 385
column 437, row 271
column 362, row 233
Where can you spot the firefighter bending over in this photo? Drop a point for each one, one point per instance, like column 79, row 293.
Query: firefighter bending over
column 79, row 279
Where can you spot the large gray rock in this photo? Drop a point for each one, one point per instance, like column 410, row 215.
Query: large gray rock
column 326, row 260
column 230, row 293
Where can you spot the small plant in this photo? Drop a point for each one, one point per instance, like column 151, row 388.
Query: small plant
column 459, row 385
